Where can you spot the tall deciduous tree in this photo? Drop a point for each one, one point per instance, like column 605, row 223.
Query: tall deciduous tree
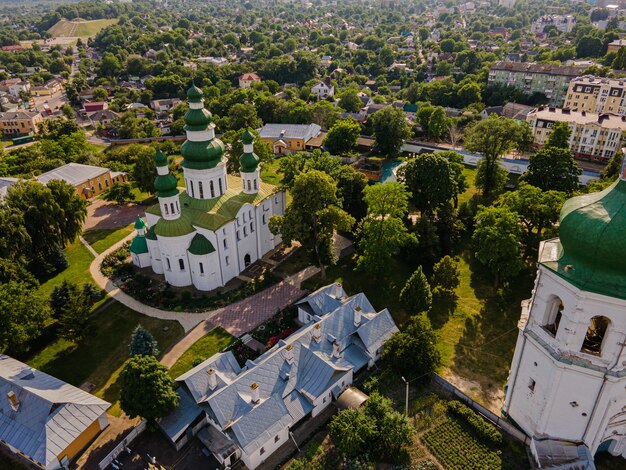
column 24, row 314
column 382, row 231
column 390, row 129
column 494, row 137
column 559, row 135
column 341, row 138
column 147, row 389
column 497, row 241
column 144, row 171
column 416, row 294
column 351, row 431
column 313, row 216
column 553, row 168
column 350, row 101
column 438, row 123
column 413, row 351
column 431, row 181
column 446, row 274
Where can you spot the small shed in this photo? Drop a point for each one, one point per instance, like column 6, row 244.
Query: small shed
column 352, row 398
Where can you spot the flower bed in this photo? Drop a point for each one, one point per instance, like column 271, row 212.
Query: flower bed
column 114, row 264
column 242, row 352
column 276, row 328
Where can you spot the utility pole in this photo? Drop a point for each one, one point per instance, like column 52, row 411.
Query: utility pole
column 406, row 402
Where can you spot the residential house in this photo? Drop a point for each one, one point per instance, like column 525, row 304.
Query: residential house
column 93, row 106
column 247, row 79
column 516, row 111
column 615, row 45
column 597, row 95
column 246, row 413
column 12, row 48
column 217, row 61
column 5, row 184
column 326, row 60
column 86, row 95
column 44, row 421
column 89, row 181
column 102, row 117
column 19, row 123
column 324, row 89
column 507, row 3
column 161, row 106
column 594, row 136
column 51, row 87
column 151, row 54
column 563, row 23
column 489, row 110
column 530, row 77
column 18, row 86
column 287, row 138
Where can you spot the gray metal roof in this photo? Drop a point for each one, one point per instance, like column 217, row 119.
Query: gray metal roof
column 51, row 413
column 289, row 384
column 177, row 422
column 197, row 380
column 324, row 300
column 72, row 173
column 289, row 131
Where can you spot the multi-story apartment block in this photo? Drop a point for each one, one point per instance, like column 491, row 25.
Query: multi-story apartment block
column 594, row 136
column 530, row 77
column 597, row 95
column 563, row 23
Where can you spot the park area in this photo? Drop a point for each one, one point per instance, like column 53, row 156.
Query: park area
column 80, row 28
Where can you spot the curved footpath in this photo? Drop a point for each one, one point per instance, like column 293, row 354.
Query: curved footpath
column 237, row 318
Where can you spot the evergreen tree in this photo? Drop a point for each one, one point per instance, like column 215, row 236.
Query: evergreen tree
column 416, row 294
column 446, row 274
column 142, row 342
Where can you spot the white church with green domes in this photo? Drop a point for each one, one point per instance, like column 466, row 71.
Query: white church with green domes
column 207, row 233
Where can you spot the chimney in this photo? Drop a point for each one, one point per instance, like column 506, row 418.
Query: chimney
column 317, row 332
column 357, row 315
column 289, row 353
column 254, row 392
column 212, row 378
column 13, row 401
column 335, row 349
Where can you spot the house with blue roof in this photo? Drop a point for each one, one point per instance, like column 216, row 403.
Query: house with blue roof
column 247, row 413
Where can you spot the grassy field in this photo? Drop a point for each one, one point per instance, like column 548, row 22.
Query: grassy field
column 99, row 360
column 269, row 172
column 79, row 258
column 101, row 239
column 214, row 341
column 80, row 28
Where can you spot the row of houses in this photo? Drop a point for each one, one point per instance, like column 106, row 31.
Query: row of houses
column 89, row 181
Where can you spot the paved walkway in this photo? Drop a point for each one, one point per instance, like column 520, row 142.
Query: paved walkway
column 237, row 318
column 297, row 279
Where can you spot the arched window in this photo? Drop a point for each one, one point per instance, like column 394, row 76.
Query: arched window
column 595, row 335
column 212, row 188
column 220, row 185
column 249, row 185
column 201, row 269
column 200, row 189
column 255, row 187
column 555, row 312
column 181, row 264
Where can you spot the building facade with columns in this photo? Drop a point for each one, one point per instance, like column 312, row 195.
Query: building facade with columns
column 568, row 375
column 207, row 233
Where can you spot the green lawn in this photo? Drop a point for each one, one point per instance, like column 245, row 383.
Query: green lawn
column 470, row 176
column 79, row 258
column 83, row 28
column 213, row 342
column 99, row 359
column 101, row 239
column 269, row 172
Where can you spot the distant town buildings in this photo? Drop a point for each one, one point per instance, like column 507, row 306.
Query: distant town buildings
column 594, row 136
column 323, row 89
column 89, row 181
column 597, row 95
column 614, row 46
column 530, row 77
column 563, row 23
column 247, row 79
column 287, row 138
column 19, row 123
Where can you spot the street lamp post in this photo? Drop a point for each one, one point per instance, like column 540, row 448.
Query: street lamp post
column 406, row 402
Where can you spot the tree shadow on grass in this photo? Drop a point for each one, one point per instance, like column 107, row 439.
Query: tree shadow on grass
column 444, row 305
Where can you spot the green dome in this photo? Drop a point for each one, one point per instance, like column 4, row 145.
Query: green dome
column 194, row 94
column 160, row 159
column 139, row 245
column 150, row 234
column 197, row 119
column 592, row 231
column 165, row 185
column 248, row 162
column 247, row 137
column 200, row 245
column 202, row 155
column 139, row 223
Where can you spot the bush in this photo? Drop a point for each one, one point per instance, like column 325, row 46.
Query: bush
column 478, row 424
